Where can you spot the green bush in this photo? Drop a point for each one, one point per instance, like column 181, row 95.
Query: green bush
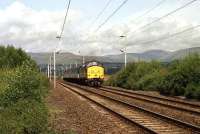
column 24, row 117
column 174, row 78
column 22, row 107
column 23, row 83
column 172, row 84
column 143, row 74
column 132, row 76
column 150, row 81
column 193, row 91
column 181, row 74
column 22, row 93
column 121, row 78
column 11, row 57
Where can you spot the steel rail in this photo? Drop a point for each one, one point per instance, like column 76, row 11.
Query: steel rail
column 151, row 101
column 177, row 122
column 155, row 97
column 110, row 110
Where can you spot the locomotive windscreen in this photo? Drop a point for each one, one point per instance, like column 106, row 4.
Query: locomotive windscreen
column 94, row 63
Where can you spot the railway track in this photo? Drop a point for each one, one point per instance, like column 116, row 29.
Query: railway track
column 184, row 114
column 148, row 120
column 157, row 100
column 183, row 105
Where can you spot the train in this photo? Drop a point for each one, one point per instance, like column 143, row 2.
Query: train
column 90, row 73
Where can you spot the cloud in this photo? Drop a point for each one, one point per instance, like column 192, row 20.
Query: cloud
column 35, row 30
column 137, row 36
column 31, row 29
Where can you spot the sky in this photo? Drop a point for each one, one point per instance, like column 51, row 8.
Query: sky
column 34, row 24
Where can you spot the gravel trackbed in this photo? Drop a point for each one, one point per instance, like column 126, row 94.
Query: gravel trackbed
column 70, row 112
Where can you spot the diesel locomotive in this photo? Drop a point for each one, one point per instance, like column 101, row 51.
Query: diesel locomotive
column 91, row 74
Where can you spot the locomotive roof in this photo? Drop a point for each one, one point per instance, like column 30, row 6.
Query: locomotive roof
column 92, row 63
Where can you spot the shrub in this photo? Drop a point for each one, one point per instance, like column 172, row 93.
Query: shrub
column 193, row 91
column 11, row 57
column 22, row 107
column 22, row 92
column 180, row 77
column 138, row 74
column 120, row 79
column 24, row 117
column 181, row 74
column 172, row 84
column 23, row 83
column 150, row 81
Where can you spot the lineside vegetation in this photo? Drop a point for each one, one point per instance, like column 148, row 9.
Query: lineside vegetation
column 22, row 93
column 178, row 78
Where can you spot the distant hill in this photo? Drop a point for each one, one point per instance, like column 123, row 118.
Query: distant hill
column 62, row 58
column 181, row 53
column 155, row 54
column 160, row 55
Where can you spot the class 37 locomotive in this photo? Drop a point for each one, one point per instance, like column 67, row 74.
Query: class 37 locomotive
column 91, row 74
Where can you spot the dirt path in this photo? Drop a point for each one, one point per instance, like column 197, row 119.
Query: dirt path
column 70, row 112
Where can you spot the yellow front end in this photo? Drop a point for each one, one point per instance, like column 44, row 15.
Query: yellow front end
column 95, row 72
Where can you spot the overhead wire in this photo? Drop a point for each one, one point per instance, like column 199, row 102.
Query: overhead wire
column 158, row 19
column 151, row 9
column 101, row 12
column 99, row 15
column 111, row 15
column 171, row 35
column 66, row 15
column 63, row 25
column 166, row 15
column 147, row 12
